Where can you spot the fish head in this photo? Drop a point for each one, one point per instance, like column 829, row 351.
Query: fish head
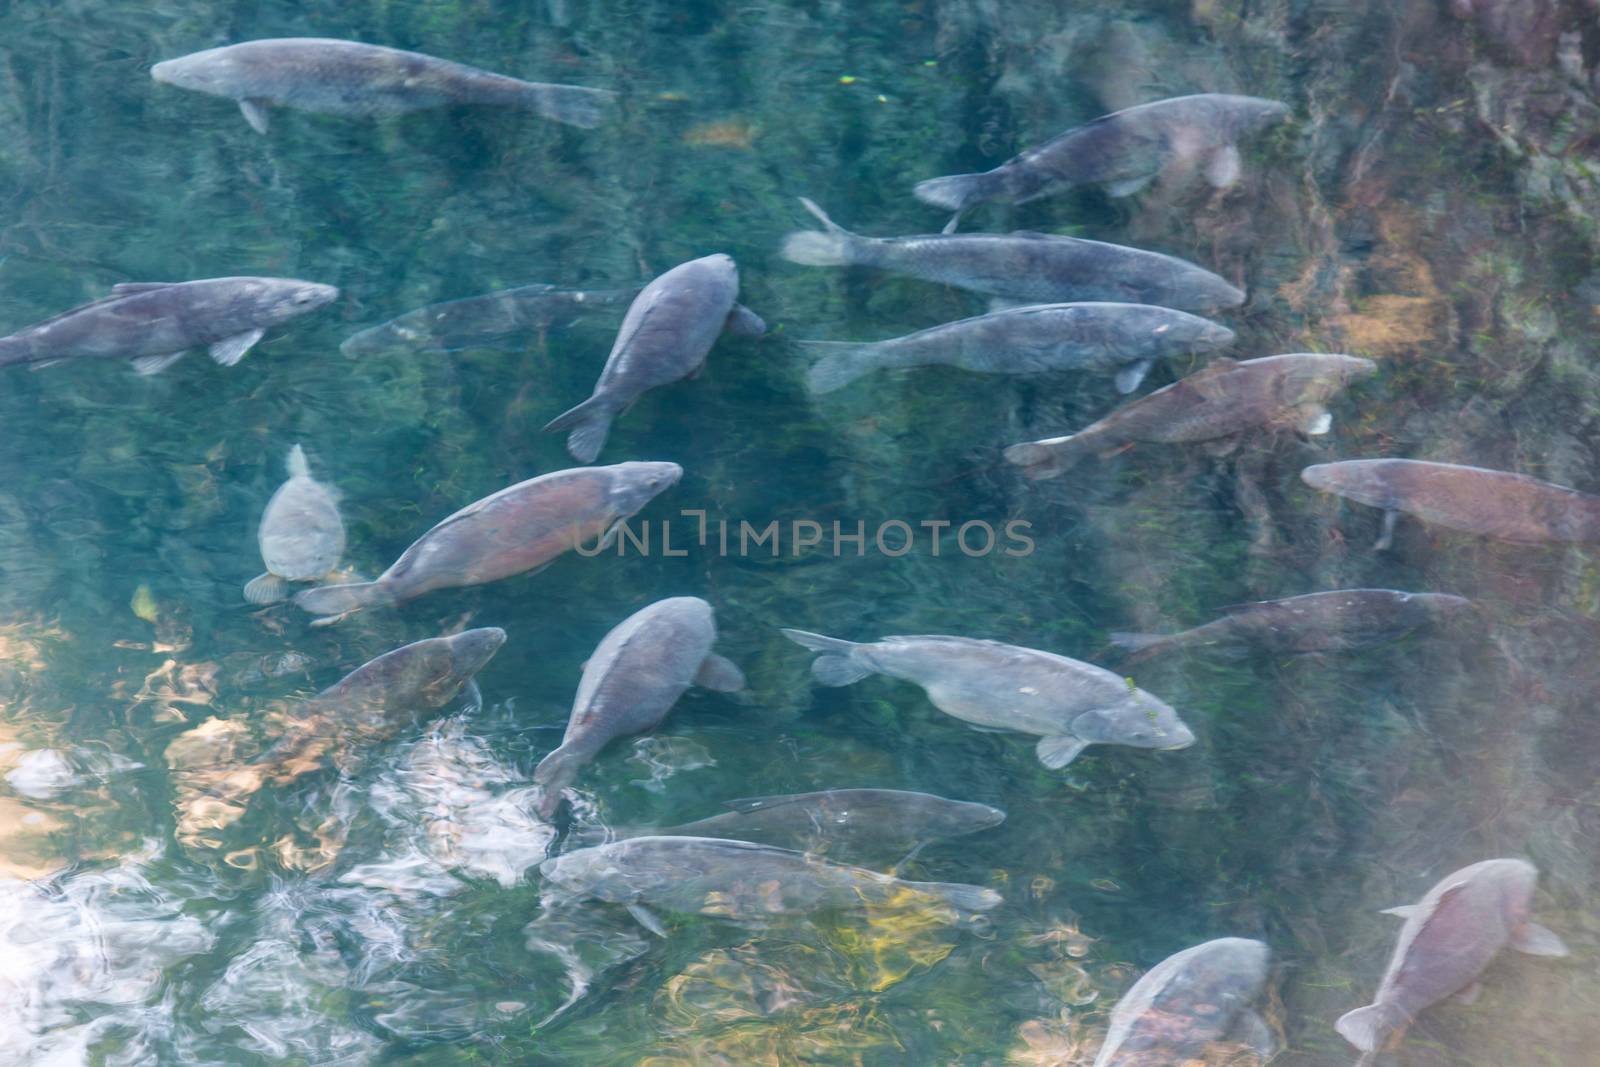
column 635, row 483
column 1443, row 607
column 376, row 340
column 473, row 649
column 1313, row 377
column 1208, row 290
column 212, row 71
column 957, row 817
column 436, row 669
column 1511, row 882
column 281, row 299
column 1250, row 113
column 1140, row 720
column 720, row 267
column 1202, row 335
column 1245, row 961
column 1361, row 480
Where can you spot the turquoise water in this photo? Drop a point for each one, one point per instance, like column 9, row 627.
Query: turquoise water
column 1428, row 205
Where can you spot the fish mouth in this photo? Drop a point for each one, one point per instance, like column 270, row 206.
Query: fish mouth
column 1319, row 476
column 475, row 648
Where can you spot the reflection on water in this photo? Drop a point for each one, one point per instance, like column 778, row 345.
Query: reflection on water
column 181, row 884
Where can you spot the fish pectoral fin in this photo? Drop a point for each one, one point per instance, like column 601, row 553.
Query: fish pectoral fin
column 1252, row 1030
column 1056, row 752
column 612, row 533
column 43, row 363
column 1224, row 166
column 1404, row 911
column 1385, row 539
column 1129, row 377
column 148, row 365
column 720, row 674
column 1469, row 994
column 647, row 919
column 1129, row 186
column 266, row 588
column 1314, row 422
column 254, row 114
column 742, row 322
column 471, row 698
column 231, row 350
column 950, row 227
column 1537, row 940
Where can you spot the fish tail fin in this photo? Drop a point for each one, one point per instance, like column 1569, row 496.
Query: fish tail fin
column 571, row 104
column 1372, row 1027
column 839, row 364
column 344, row 598
column 964, row 898
column 1047, row 459
column 266, row 589
column 837, row 666
column 954, row 192
column 551, row 777
column 589, row 422
column 835, row 246
column 298, row 467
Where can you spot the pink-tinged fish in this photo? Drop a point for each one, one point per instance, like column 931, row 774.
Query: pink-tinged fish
column 1448, row 939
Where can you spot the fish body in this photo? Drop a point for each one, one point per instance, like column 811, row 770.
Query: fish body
column 1498, row 504
column 637, row 673
column 1188, row 1001
column 739, row 880
column 1124, row 151
column 518, row 529
column 876, row 824
column 1035, row 268
column 1448, row 939
column 334, row 77
column 666, row 335
column 1334, row 621
column 477, row 320
column 1067, row 703
column 1124, row 339
column 1221, row 400
column 301, row 534
column 155, row 323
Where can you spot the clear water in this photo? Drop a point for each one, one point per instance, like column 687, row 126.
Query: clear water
column 1429, row 205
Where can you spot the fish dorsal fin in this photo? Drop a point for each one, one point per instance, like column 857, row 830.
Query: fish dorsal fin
column 1234, row 609
column 129, row 288
column 746, row 805
column 822, row 216
column 1404, row 911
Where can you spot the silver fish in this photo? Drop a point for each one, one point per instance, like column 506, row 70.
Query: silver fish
column 668, row 331
column 637, row 673
column 1220, row 401
column 1448, row 939
column 1124, row 151
column 1125, row 339
column 739, row 880
column 350, row 78
column 155, row 323
column 301, row 534
column 477, row 320
column 1034, row 268
column 1068, row 704
column 520, row 528
column 1188, row 1001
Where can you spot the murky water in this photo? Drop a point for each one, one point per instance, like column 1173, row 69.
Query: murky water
column 1427, row 204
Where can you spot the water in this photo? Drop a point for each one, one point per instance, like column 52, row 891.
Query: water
column 1428, row 205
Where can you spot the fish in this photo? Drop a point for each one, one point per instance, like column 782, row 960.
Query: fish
column 521, row 528
column 739, row 880
column 370, row 705
column 666, row 335
column 1124, row 151
column 154, row 324
column 1497, row 504
column 1068, row 704
column 637, row 673
column 476, row 320
column 1222, row 400
column 301, row 534
column 1187, row 1002
column 1448, row 939
column 1035, row 268
column 1125, row 339
column 1334, row 621
column 870, row 823
column 331, row 77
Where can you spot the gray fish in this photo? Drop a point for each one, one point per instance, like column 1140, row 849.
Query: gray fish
column 350, row 78
column 1510, row 507
column 1187, row 1002
column 1448, row 939
column 155, row 323
column 1034, row 268
column 867, row 825
column 301, row 534
column 1068, row 704
column 668, row 331
column 637, row 673
column 477, row 320
column 739, row 880
column 1124, row 151
column 1123, row 338
column 1224, row 399
column 1334, row 621
column 521, row 528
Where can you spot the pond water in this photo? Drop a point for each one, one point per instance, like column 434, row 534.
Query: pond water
column 1427, row 203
